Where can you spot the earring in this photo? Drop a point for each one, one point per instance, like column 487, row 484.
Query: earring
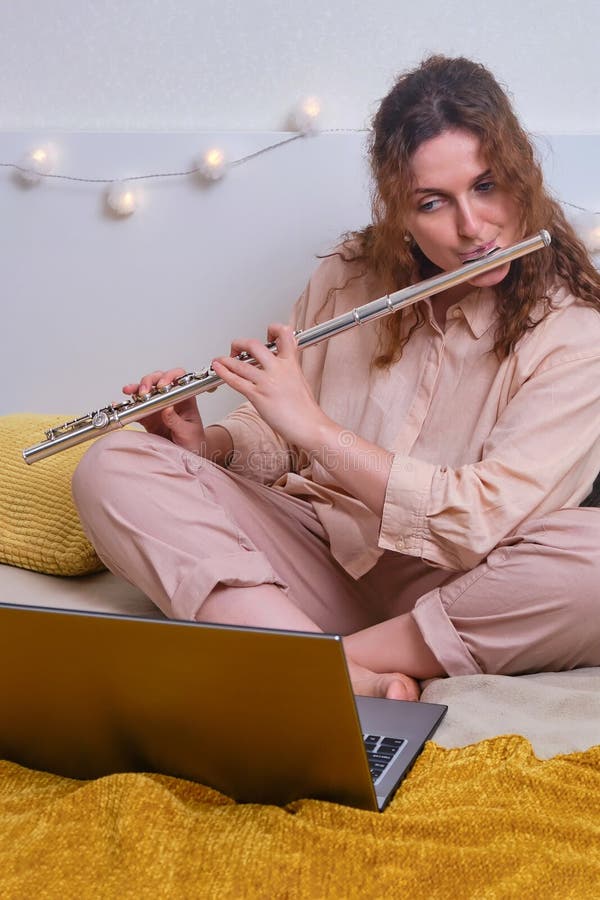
column 408, row 238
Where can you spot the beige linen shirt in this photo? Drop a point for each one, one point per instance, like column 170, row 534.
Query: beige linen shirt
column 480, row 445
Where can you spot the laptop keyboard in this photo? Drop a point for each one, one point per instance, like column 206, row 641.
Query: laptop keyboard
column 382, row 751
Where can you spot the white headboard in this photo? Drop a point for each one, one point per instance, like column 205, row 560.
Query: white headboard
column 91, row 301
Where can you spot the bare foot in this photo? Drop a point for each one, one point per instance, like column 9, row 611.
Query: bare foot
column 391, row 685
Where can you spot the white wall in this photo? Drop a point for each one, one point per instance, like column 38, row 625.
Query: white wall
column 219, row 65
column 90, row 301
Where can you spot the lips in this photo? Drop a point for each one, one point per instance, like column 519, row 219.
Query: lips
column 479, row 252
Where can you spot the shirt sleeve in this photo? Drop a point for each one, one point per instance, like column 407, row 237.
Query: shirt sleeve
column 542, row 455
column 259, row 453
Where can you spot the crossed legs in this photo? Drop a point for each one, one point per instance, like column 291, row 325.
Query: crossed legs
column 206, row 544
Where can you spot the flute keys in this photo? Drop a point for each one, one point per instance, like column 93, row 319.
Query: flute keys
column 123, row 404
column 210, row 373
column 67, row 427
column 187, row 379
column 100, row 419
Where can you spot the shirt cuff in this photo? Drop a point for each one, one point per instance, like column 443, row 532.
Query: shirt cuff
column 237, row 430
column 256, row 454
column 404, row 521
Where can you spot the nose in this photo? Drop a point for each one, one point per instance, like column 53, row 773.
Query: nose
column 468, row 222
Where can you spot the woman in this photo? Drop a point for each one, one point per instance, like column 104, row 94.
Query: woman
column 415, row 485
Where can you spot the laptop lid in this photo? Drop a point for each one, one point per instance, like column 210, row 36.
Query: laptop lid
column 261, row 715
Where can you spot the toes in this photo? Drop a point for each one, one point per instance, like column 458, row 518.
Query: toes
column 391, row 685
column 401, row 687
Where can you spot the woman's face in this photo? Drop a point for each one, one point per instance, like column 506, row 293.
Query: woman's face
column 457, row 212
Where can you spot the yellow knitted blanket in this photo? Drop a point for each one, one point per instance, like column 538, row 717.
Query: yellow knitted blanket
column 486, row 821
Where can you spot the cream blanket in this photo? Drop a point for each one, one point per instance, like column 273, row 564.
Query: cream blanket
column 558, row 712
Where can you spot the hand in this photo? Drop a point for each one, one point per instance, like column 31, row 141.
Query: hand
column 180, row 423
column 276, row 387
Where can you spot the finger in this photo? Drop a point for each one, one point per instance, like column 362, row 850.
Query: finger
column 169, row 416
column 147, row 382
column 275, row 329
column 239, row 345
column 245, row 345
column 284, row 338
column 169, row 377
column 252, row 347
column 238, row 367
column 260, row 353
column 237, row 382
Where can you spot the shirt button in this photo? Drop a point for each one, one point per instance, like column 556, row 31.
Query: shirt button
column 400, row 543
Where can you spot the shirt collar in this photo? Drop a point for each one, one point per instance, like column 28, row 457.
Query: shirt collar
column 479, row 309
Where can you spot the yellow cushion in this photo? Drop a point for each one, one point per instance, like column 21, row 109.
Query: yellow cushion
column 39, row 525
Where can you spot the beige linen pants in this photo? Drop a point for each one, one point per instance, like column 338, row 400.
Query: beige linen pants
column 176, row 525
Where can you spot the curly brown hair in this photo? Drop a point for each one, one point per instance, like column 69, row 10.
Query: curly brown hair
column 456, row 93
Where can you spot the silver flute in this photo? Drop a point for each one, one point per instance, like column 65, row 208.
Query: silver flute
column 134, row 408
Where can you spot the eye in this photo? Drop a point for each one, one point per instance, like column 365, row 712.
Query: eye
column 485, row 186
column 430, row 205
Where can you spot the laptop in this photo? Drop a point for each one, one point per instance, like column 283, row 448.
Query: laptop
column 264, row 716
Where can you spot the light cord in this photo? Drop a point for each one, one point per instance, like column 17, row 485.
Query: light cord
column 196, row 170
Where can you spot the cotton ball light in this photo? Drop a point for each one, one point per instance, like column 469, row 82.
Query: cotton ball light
column 35, row 164
column 304, row 117
column 212, row 164
column 121, row 198
column 593, row 238
column 587, row 226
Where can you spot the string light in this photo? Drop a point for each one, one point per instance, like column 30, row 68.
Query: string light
column 121, row 198
column 194, row 171
column 36, row 164
column 212, row 164
column 586, row 223
column 591, row 237
column 594, row 239
column 305, row 116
